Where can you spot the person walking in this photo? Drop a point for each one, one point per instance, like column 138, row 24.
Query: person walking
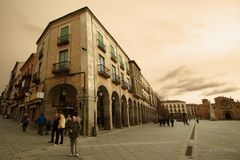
column 74, row 129
column 55, row 129
column 197, row 120
column 61, row 127
column 172, row 122
column 41, row 121
column 25, row 121
column 67, row 120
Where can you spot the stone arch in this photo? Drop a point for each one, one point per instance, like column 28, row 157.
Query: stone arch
column 116, row 116
column 124, row 111
column 227, row 115
column 63, row 99
column 139, row 113
column 131, row 112
column 103, row 108
column 135, row 112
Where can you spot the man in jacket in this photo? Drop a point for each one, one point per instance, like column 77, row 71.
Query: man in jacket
column 41, row 121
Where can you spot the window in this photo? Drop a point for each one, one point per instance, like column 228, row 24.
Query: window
column 122, row 76
column 128, row 80
column 100, row 42
column 63, row 56
column 63, row 59
column 121, row 62
column 64, row 36
column 101, row 63
column 64, row 31
column 112, row 50
column 113, row 71
column 100, row 37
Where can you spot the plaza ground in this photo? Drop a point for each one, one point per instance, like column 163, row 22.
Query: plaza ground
column 208, row 140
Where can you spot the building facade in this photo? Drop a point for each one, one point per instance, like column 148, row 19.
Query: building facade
column 176, row 109
column 80, row 68
column 192, row 110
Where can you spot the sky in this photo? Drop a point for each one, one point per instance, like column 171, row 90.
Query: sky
column 187, row 49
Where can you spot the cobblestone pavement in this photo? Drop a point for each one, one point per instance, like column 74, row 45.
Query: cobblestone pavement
column 218, row 140
column 209, row 140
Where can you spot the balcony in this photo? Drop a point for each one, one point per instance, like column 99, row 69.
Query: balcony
column 113, row 57
column 61, row 67
column 36, row 78
column 101, row 45
column 103, row 71
column 116, row 79
column 130, row 88
column 122, row 65
column 124, row 85
column 40, row 54
column 128, row 71
column 26, row 76
column 63, row 40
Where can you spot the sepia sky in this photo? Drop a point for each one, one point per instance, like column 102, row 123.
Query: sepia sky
column 186, row 49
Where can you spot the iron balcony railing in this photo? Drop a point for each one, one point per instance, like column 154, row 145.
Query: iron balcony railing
column 130, row 88
column 101, row 45
column 113, row 57
column 104, row 71
column 63, row 40
column 61, row 67
column 124, row 84
column 116, row 79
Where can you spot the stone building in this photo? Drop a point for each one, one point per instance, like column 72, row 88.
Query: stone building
column 223, row 108
column 176, row 109
column 79, row 68
column 192, row 110
column 12, row 91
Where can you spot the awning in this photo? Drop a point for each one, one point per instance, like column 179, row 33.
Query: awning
column 33, row 106
column 21, row 105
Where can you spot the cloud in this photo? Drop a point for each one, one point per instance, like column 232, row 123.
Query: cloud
column 182, row 80
column 220, row 90
column 182, row 70
column 32, row 28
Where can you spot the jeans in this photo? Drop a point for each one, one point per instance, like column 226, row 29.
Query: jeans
column 40, row 129
column 54, row 130
column 60, row 132
column 73, row 144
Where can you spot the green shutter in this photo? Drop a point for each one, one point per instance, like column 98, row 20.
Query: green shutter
column 100, row 37
column 64, row 31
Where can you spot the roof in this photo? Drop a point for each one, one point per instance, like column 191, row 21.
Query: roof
column 84, row 9
column 132, row 61
column 172, row 101
column 29, row 58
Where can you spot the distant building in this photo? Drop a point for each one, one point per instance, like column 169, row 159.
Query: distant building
column 192, row 110
column 176, row 108
column 224, row 109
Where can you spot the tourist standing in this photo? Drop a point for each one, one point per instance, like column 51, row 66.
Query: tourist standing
column 61, row 127
column 74, row 129
column 55, row 129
